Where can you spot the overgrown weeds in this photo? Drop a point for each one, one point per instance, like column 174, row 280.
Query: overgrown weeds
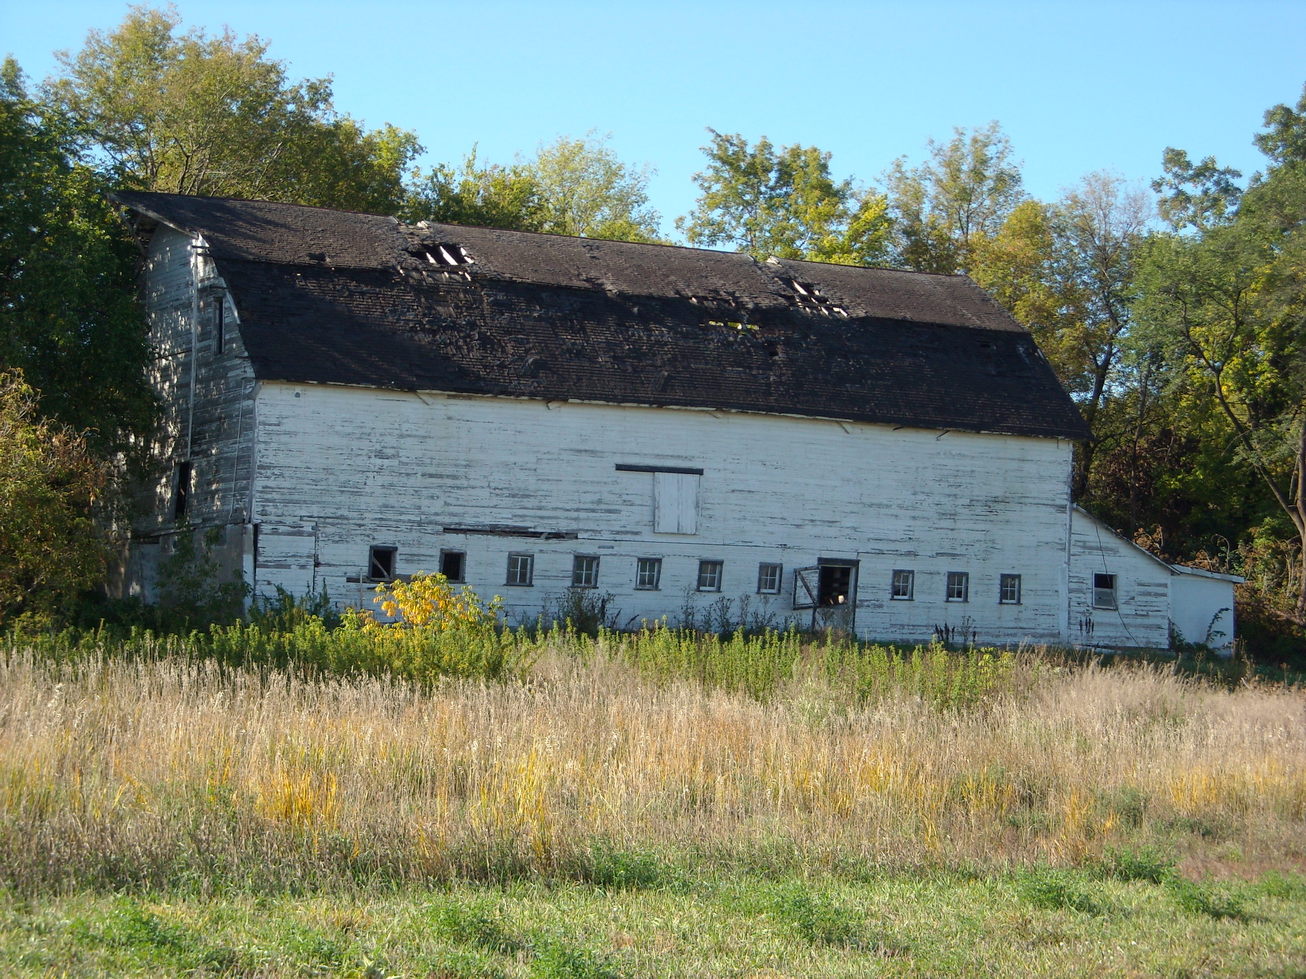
column 254, row 759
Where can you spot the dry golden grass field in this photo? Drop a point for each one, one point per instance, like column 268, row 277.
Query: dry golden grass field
column 664, row 778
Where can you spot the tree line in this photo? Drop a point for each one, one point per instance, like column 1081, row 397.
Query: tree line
column 1173, row 316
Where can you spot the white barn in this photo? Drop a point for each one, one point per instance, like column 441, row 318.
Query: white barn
column 692, row 433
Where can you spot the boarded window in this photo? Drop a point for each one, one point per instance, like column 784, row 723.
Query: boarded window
column 675, row 503
column 1104, row 590
column 903, row 588
column 648, row 573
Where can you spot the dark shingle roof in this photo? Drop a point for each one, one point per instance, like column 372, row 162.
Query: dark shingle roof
column 335, row 297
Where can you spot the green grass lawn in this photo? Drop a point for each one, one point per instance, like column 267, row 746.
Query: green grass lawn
column 667, row 923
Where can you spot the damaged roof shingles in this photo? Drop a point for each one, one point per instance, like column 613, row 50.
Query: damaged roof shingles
column 337, row 297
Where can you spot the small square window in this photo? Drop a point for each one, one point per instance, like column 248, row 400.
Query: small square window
column 769, row 577
column 453, row 565
column 903, row 587
column 1009, row 589
column 1104, row 590
column 584, row 571
column 648, row 573
column 521, row 569
column 381, row 562
column 709, row 575
column 958, row 586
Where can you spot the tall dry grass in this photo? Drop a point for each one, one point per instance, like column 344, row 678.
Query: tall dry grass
column 168, row 770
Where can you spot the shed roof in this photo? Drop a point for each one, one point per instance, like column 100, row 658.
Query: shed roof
column 339, row 297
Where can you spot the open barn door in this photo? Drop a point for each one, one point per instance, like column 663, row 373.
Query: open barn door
column 829, row 589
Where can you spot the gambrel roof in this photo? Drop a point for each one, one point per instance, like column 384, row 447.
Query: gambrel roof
column 336, row 297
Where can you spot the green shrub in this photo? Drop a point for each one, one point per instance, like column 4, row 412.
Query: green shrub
column 476, row 926
column 1056, row 890
column 556, row 959
column 1205, row 898
column 624, row 870
column 1145, row 864
column 818, row 919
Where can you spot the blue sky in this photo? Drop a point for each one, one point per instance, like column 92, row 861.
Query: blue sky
column 1077, row 87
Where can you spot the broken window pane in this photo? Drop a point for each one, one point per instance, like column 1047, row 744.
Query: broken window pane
column 1104, row 590
column 453, row 565
column 381, row 562
column 181, row 490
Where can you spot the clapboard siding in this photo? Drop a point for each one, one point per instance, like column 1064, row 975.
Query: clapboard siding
column 340, row 469
column 208, row 407
column 1142, row 615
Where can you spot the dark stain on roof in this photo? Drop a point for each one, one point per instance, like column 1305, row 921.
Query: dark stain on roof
column 342, row 298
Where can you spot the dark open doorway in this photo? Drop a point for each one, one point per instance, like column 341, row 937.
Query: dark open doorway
column 829, row 589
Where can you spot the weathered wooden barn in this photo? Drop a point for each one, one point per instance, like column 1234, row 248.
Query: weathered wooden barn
column 692, row 433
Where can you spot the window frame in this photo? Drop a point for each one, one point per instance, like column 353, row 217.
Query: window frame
column 711, row 571
column 957, row 582
column 898, row 577
column 1004, row 597
column 655, row 564
column 517, row 562
column 383, row 558
column 462, row 577
column 585, row 571
column 1104, row 594
column 183, row 484
column 770, row 570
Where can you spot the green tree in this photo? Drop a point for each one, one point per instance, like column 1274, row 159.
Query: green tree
column 193, row 114
column 573, row 187
column 945, row 207
column 1226, row 302
column 1066, row 271
column 49, row 480
column 586, row 190
column 68, row 316
column 783, row 203
column 490, row 196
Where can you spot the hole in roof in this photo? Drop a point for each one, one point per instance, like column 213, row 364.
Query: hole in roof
column 810, row 297
column 446, row 254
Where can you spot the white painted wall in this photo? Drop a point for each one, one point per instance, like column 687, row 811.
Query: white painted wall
column 207, row 417
column 340, row 469
column 1142, row 616
column 1203, row 608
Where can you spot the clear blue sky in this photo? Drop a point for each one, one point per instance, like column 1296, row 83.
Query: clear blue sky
column 1077, row 87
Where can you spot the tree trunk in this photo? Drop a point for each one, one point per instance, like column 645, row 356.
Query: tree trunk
column 1299, row 519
